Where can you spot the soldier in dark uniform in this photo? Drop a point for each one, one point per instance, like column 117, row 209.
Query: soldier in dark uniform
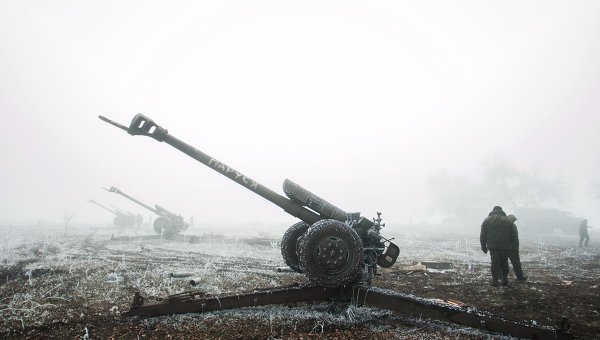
column 497, row 235
column 513, row 253
column 583, row 233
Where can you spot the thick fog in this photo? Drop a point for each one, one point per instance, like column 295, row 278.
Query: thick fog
column 363, row 103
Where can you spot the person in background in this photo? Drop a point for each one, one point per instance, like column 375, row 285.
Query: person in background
column 583, row 233
column 513, row 252
column 497, row 235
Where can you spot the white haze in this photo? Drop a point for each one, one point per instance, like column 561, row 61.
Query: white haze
column 359, row 102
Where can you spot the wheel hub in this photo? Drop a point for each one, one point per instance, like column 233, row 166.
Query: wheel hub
column 332, row 254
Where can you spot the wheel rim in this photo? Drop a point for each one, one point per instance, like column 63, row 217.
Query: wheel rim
column 332, row 255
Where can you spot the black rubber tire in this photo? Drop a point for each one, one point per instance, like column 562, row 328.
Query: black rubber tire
column 289, row 245
column 331, row 254
column 161, row 223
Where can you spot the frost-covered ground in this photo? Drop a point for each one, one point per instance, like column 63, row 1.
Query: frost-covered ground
column 76, row 285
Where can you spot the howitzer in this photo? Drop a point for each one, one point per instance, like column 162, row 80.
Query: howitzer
column 121, row 219
column 167, row 224
column 332, row 247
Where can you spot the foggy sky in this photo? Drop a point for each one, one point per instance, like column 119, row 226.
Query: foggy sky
column 359, row 102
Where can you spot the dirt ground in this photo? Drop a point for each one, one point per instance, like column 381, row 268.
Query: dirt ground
column 76, row 286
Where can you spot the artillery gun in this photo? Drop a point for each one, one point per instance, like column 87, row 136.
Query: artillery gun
column 167, row 224
column 121, row 219
column 330, row 246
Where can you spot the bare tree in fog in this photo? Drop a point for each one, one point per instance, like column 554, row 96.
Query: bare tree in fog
column 459, row 196
column 66, row 218
column 518, row 188
column 455, row 195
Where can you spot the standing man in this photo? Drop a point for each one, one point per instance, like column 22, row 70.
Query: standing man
column 583, row 233
column 513, row 253
column 497, row 236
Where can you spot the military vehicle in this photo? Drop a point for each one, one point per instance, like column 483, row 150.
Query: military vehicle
column 121, row 219
column 167, row 224
column 547, row 220
column 330, row 246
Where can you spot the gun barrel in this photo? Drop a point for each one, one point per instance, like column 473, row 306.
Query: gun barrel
column 114, row 123
column 142, row 125
column 117, row 191
column 101, row 206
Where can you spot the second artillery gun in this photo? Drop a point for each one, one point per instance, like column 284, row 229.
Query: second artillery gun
column 330, row 246
column 166, row 224
column 121, row 219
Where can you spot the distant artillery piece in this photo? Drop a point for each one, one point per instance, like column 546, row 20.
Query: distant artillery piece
column 122, row 219
column 331, row 247
column 167, row 224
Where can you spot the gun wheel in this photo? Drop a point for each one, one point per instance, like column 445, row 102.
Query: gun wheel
column 289, row 245
column 162, row 226
column 331, row 254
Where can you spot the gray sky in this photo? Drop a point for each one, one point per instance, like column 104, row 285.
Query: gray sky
column 357, row 101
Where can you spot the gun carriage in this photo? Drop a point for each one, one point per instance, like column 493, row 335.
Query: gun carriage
column 121, row 218
column 338, row 251
column 167, row 223
column 329, row 245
